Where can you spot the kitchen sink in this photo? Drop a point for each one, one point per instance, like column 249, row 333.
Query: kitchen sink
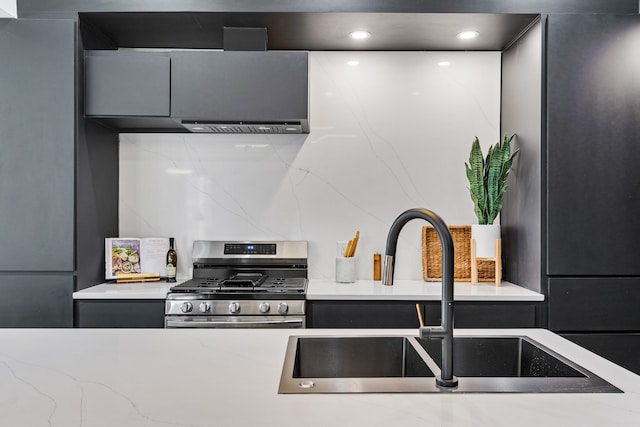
column 408, row 364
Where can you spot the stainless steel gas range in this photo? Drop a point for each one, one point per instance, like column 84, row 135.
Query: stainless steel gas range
column 242, row 285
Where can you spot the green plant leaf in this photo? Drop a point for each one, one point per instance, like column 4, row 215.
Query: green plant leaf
column 475, row 175
column 488, row 177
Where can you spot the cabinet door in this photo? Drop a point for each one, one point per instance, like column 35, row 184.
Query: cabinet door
column 36, row 300
column 239, row 86
column 402, row 314
column 120, row 313
column 127, row 84
column 361, row 314
column 594, row 304
column 37, row 131
column 494, row 315
column 593, row 132
column 621, row 349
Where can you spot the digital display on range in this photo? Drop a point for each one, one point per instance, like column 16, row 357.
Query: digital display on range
column 249, row 248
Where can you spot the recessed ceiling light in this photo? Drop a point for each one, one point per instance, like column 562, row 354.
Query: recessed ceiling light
column 466, row 35
column 353, row 63
column 444, row 63
column 360, row 35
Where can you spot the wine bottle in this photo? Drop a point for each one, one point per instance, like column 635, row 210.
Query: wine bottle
column 172, row 261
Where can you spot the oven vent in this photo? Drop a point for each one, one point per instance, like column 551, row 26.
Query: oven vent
column 257, row 128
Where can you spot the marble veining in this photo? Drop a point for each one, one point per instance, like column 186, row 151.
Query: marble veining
column 388, row 134
column 200, row 377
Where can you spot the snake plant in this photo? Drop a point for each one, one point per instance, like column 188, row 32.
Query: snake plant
column 488, row 177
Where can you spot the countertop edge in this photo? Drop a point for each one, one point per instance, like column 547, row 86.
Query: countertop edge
column 324, row 290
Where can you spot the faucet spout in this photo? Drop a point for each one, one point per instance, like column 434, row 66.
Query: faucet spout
column 445, row 330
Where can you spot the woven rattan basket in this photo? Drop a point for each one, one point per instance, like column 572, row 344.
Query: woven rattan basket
column 432, row 256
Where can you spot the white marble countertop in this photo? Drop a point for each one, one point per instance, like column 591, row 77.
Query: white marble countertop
column 326, row 290
column 111, row 290
column 417, row 290
column 206, row 377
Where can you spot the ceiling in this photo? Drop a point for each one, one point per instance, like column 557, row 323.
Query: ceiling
column 303, row 31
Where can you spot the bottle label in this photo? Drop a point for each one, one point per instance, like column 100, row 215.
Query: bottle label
column 171, row 270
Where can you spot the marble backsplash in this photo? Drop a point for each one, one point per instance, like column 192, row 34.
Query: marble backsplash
column 389, row 133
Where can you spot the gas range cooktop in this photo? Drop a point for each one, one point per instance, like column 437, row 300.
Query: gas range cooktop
column 242, row 285
column 264, row 285
column 246, row 270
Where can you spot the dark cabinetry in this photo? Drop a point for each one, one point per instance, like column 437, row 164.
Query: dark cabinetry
column 246, row 86
column 596, row 304
column 402, row 314
column 158, row 90
column 36, row 300
column 56, row 202
column 593, row 134
column 127, row 84
column 37, row 141
column 600, row 314
column 592, row 182
column 622, row 349
column 119, row 313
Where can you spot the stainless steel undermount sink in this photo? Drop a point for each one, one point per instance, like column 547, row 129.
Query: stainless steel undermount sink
column 408, row 364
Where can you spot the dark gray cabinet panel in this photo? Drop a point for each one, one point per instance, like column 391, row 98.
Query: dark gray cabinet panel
column 622, row 349
column 120, row 313
column 402, row 314
column 361, row 314
column 593, row 150
column 127, row 84
column 96, row 199
column 246, row 86
column 594, row 304
column 494, row 315
column 36, row 300
column 37, row 141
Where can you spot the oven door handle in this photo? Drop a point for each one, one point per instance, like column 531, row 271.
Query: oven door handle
column 283, row 323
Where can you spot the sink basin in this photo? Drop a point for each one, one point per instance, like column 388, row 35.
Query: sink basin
column 501, row 357
column 358, row 357
column 365, row 364
column 407, row 364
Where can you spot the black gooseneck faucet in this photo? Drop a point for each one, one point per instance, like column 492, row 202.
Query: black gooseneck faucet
column 445, row 330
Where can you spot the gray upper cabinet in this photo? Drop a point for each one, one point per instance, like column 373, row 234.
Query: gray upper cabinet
column 592, row 145
column 127, row 84
column 37, row 141
column 239, row 86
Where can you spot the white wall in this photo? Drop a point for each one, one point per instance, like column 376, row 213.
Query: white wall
column 8, row 8
column 389, row 134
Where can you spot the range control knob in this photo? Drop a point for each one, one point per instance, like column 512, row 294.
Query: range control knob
column 204, row 307
column 283, row 308
column 186, row 307
column 264, row 307
column 234, row 307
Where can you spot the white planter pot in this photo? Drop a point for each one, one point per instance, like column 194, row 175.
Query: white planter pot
column 485, row 236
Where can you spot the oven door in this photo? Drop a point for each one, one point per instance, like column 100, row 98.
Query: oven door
column 234, row 322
